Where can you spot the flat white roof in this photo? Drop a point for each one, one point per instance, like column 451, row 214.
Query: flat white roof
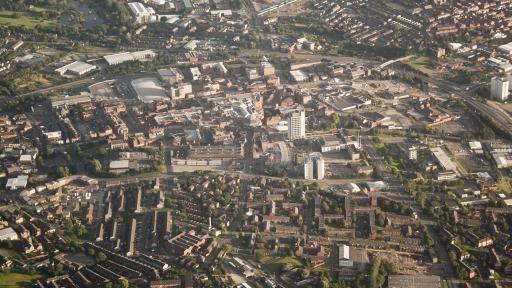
column 120, row 164
column 121, row 57
column 77, row 67
column 443, row 159
column 7, row 233
column 53, row 134
column 344, row 252
column 475, row 145
column 138, row 8
column 118, row 58
column 18, row 182
column 299, row 75
column 506, row 48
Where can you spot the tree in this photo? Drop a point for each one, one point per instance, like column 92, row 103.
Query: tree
column 421, row 198
column 94, row 166
column 62, row 171
column 488, row 133
column 122, row 283
column 303, row 273
column 39, row 161
column 501, row 204
column 380, row 220
column 335, row 118
column 101, row 257
column 374, row 273
column 59, row 268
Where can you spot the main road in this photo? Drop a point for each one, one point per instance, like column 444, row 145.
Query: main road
column 243, row 175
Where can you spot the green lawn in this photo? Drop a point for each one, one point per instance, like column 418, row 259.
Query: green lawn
column 16, row 279
column 276, row 266
column 26, row 19
column 422, row 63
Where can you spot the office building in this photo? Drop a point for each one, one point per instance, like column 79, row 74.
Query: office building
column 141, row 13
column 499, row 88
column 314, row 166
column 297, row 124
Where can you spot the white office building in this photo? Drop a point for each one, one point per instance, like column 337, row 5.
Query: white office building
column 344, row 256
column 141, row 13
column 499, row 88
column 314, row 166
column 297, row 124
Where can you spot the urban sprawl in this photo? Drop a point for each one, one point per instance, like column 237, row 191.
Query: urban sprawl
column 244, row 143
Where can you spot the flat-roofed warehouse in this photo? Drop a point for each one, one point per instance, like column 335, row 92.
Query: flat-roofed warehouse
column 506, row 48
column 76, row 68
column 70, row 100
column 118, row 58
column 216, row 152
column 443, row 159
column 149, row 90
column 414, row 281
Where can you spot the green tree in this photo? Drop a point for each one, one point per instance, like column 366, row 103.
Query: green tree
column 62, row 171
column 122, row 283
column 39, row 162
column 94, row 166
column 59, row 268
column 488, row 133
column 101, row 257
column 374, row 273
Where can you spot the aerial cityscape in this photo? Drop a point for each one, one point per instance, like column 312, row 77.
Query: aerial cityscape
column 256, row 143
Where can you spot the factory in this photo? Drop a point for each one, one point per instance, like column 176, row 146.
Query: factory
column 149, row 90
column 76, row 68
column 118, row 58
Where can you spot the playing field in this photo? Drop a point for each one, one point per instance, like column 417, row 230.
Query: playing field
column 15, row 280
column 27, row 19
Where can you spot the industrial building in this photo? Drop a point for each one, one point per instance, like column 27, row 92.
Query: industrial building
column 443, row 159
column 506, row 49
column 414, row 281
column 118, row 58
column 299, row 76
column 76, row 68
column 19, row 182
column 170, row 75
column 8, row 234
column 149, row 90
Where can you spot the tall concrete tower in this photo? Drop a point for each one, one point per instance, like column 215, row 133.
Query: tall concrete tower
column 499, row 88
column 297, row 124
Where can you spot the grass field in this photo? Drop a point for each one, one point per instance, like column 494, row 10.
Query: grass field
column 422, row 63
column 14, row 280
column 27, row 19
column 276, row 266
